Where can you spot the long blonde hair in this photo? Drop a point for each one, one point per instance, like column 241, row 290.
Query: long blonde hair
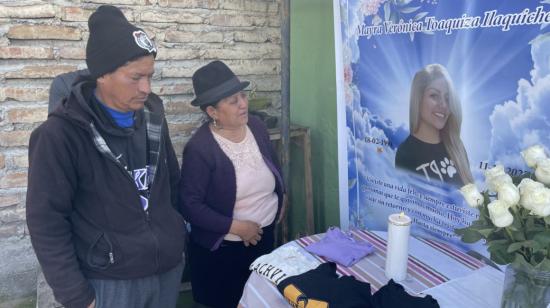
column 450, row 134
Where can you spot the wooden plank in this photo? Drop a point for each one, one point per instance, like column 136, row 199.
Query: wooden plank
column 308, row 182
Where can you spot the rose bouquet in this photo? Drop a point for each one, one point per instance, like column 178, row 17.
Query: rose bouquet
column 514, row 221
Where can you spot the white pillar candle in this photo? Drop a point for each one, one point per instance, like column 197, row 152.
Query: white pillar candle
column 397, row 249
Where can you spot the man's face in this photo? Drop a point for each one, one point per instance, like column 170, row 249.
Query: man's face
column 127, row 88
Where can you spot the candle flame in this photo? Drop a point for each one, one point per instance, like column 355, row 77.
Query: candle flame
column 402, row 214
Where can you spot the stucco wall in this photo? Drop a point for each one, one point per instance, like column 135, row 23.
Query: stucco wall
column 41, row 39
column 313, row 104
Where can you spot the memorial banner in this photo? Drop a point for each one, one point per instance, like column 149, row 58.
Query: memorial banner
column 434, row 93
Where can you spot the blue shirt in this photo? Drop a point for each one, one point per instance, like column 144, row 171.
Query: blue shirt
column 122, row 119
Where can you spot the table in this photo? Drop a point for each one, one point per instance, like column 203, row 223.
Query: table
column 434, row 268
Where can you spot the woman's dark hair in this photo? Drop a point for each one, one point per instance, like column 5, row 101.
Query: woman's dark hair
column 203, row 107
column 206, row 115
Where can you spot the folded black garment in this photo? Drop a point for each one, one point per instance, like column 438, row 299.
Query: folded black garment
column 321, row 286
column 394, row 295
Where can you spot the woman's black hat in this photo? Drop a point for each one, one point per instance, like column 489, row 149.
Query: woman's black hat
column 214, row 82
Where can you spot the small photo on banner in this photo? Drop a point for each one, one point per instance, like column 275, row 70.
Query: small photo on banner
column 434, row 93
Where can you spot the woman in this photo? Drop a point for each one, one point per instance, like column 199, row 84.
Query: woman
column 433, row 148
column 232, row 188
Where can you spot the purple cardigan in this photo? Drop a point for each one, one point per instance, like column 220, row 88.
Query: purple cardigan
column 208, row 183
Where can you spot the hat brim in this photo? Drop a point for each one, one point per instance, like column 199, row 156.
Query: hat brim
column 212, row 99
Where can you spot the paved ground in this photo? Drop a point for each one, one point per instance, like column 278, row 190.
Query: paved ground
column 18, row 270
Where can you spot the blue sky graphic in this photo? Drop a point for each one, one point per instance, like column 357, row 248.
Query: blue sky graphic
column 501, row 77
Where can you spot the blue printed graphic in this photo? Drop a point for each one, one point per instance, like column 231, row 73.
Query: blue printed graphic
column 496, row 54
column 142, row 184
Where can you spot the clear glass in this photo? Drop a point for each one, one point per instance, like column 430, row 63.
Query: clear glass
column 525, row 287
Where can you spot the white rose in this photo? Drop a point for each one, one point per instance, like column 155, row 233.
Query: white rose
column 527, row 187
column 499, row 213
column 508, row 193
column 498, row 181
column 471, row 195
column 542, row 171
column 494, row 172
column 532, row 155
column 496, row 176
column 538, row 201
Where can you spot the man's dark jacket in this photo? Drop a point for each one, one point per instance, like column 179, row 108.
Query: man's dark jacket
column 84, row 212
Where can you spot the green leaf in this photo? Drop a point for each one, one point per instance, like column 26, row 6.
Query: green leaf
column 543, row 238
column 538, row 257
column 518, row 235
column 529, row 223
column 516, row 224
column 514, row 247
column 485, row 232
column 471, row 236
column 498, row 245
column 517, row 179
column 543, row 266
column 499, row 254
column 460, row 231
column 408, row 10
column 519, row 261
column 481, row 224
column 501, row 243
column 518, row 245
column 530, row 235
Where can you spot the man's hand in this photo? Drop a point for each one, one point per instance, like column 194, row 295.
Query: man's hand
column 249, row 231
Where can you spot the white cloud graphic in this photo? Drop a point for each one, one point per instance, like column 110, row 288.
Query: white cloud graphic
column 516, row 125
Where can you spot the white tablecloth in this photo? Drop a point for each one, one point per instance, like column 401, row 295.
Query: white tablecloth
column 434, row 268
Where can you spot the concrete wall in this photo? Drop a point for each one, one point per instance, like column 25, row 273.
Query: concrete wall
column 313, row 104
column 41, row 39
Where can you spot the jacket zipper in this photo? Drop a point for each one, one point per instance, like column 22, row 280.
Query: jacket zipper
column 146, row 213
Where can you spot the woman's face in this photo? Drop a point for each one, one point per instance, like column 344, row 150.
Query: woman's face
column 232, row 112
column 434, row 107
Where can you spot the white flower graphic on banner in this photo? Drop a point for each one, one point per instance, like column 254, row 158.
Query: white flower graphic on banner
column 371, row 7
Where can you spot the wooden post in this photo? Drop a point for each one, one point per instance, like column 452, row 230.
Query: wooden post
column 308, row 182
column 285, row 100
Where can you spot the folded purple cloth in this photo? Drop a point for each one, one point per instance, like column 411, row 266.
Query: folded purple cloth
column 340, row 247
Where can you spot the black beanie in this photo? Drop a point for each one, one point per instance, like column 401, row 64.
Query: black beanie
column 113, row 41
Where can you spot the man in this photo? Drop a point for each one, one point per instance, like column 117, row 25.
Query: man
column 102, row 180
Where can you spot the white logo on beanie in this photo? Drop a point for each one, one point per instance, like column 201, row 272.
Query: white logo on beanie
column 143, row 41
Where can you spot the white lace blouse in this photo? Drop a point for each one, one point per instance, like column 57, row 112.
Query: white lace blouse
column 256, row 199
